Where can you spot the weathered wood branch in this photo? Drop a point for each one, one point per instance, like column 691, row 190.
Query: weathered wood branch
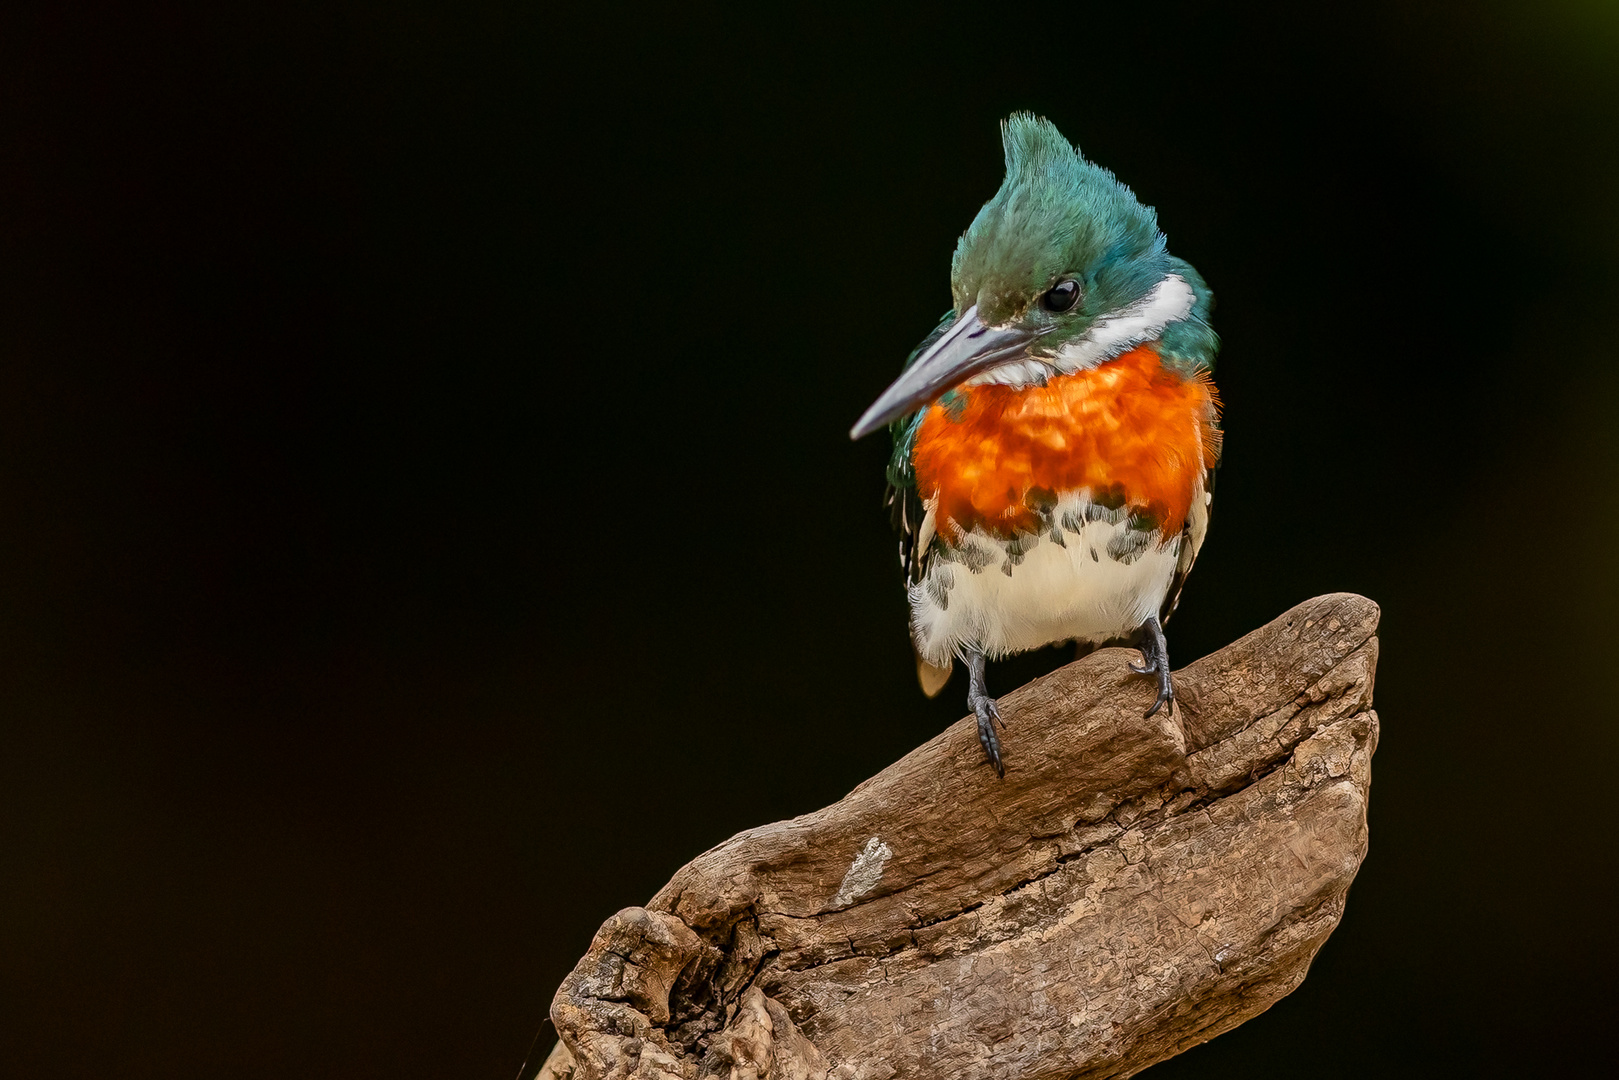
column 1133, row 887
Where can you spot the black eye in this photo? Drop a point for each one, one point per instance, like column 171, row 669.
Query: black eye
column 1061, row 296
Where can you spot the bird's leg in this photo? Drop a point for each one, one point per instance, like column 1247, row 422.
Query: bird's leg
column 983, row 706
column 1155, row 661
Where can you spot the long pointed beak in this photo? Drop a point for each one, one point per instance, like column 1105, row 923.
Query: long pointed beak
column 964, row 350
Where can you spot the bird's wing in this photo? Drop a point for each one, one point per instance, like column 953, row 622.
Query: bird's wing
column 912, row 520
column 1192, row 534
column 1190, row 347
column 914, row 523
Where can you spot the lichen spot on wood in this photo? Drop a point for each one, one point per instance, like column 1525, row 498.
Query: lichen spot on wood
column 864, row 873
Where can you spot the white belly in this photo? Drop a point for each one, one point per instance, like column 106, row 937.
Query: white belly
column 1103, row 580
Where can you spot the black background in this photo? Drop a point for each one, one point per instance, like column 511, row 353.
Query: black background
column 427, row 518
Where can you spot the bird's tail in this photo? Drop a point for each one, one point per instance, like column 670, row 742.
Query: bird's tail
column 932, row 678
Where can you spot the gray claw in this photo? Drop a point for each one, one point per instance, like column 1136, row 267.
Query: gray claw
column 987, row 711
column 1155, row 661
column 988, row 716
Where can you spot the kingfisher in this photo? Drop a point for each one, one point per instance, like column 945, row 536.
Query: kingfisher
column 1056, row 435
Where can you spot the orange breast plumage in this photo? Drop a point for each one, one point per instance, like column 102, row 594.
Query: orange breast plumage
column 1131, row 432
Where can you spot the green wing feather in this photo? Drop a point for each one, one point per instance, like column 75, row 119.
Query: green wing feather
column 1191, row 345
column 903, row 502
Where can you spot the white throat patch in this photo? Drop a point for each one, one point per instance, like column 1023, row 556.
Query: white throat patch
column 1168, row 301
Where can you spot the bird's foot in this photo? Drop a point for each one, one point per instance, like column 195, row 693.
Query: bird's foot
column 1155, row 661
column 1166, row 688
column 984, row 707
column 989, row 714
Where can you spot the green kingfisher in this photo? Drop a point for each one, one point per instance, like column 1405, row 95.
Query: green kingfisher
column 1056, row 435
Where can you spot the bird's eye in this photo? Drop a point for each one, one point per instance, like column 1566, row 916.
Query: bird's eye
column 1061, row 296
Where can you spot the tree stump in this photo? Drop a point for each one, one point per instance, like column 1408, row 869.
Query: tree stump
column 1133, row 887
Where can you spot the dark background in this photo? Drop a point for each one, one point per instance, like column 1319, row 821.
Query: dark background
column 427, row 518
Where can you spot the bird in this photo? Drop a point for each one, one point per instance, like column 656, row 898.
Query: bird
column 1056, row 436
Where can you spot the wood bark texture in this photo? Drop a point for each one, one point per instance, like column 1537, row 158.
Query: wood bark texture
column 1133, row 887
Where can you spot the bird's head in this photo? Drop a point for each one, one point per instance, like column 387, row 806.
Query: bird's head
column 1061, row 271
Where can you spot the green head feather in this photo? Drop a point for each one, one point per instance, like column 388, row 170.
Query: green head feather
column 1058, row 217
column 1055, row 217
